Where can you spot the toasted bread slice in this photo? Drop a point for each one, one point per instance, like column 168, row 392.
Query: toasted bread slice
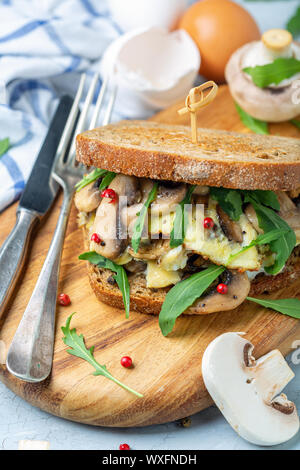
column 160, row 151
column 146, row 300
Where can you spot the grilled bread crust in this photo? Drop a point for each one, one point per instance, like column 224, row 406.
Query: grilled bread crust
column 161, row 151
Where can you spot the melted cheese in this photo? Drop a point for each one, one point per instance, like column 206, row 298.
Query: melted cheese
column 174, row 259
column 157, row 276
column 216, row 246
column 124, row 258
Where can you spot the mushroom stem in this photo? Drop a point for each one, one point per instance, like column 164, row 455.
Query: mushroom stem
column 271, row 373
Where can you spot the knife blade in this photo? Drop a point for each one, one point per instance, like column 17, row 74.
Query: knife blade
column 35, row 201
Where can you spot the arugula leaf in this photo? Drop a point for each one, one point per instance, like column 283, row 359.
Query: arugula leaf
column 274, row 73
column 183, row 294
column 230, row 200
column 265, row 204
column 232, row 203
column 269, row 220
column 79, row 349
column 257, row 126
column 268, row 198
column 295, row 122
column 107, row 179
column 293, row 25
column 120, row 278
column 290, row 307
column 263, row 239
column 89, row 178
column 140, row 222
column 4, row 146
column 180, row 222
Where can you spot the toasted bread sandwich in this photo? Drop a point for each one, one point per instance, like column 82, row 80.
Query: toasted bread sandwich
column 215, row 221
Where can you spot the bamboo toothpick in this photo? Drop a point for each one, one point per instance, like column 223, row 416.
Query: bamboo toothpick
column 196, row 100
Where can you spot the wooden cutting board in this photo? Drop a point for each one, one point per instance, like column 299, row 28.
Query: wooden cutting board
column 166, row 370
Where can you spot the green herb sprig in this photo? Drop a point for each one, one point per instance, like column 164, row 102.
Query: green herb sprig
column 273, row 73
column 263, row 239
column 4, row 146
column 256, row 125
column 120, row 277
column 78, row 348
column 89, row 178
column 180, row 222
column 265, row 204
column 107, row 179
column 140, row 222
column 290, row 307
column 269, row 220
column 183, row 294
column 230, row 200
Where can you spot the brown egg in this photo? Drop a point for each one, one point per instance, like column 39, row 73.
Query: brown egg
column 218, row 27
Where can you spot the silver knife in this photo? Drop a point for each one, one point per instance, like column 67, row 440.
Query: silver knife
column 36, row 200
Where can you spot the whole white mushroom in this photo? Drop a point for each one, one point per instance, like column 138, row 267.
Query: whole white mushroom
column 275, row 103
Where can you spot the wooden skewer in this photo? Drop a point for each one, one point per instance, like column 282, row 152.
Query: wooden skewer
column 196, row 100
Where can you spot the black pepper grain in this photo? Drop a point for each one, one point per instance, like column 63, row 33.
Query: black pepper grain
column 111, row 280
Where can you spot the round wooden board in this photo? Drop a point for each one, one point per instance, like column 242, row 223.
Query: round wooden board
column 166, row 370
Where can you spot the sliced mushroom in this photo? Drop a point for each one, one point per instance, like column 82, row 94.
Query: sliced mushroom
column 285, row 202
column 238, row 288
column 201, row 199
column 289, row 212
column 252, row 217
column 129, row 216
column 231, row 229
column 152, row 250
column 107, row 222
column 88, row 198
column 136, row 266
column 201, row 191
column 168, row 196
column 294, row 193
column 130, row 213
column 248, row 395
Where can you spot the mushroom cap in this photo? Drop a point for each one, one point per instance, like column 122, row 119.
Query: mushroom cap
column 274, row 104
column 239, row 394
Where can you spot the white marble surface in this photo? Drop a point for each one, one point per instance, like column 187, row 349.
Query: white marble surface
column 209, row 430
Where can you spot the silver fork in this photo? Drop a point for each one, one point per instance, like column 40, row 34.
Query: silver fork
column 30, row 354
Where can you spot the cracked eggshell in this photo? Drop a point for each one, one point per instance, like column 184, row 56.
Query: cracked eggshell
column 152, row 68
column 132, row 14
column 240, row 392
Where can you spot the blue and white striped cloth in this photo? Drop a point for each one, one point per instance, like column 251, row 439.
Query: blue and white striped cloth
column 44, row 44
